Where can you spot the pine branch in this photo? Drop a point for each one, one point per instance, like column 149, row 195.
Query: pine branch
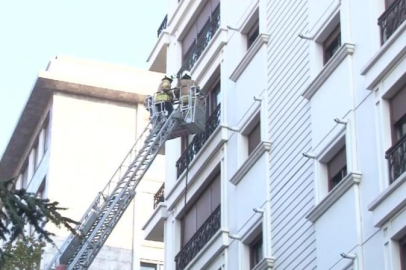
column 19, row 208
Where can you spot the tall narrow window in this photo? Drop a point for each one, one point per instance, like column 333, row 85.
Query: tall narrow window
column 398, row 115
column 184, row 143
column 198, row 213
column 256, row 251
column 402, row 249
column 253, row 34
column 213, row 98
column 332, row 44
column 337, row 168
column 148, row 266
column 254, row 138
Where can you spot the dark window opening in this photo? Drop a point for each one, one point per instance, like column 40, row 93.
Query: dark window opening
column 332, row 44
column 402, row 249
column 201, row 210
column 254, row 138
column 213, row 99
column 252, row 34
column 256, row 251
column 148, row 266
column 337, row 168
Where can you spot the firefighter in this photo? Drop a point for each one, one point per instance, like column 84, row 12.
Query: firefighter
column 163, row 97
column 184, row 84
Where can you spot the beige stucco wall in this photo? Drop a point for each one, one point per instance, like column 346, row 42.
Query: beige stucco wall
column 88, row 141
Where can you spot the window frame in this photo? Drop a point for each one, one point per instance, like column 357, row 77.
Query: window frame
column 193, row 207
column 253, row 34
column 334, row 180
column 329, row 41
column 257, row 242
column 402, row 251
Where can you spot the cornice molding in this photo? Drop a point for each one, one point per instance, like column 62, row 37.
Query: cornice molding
column 345, row 50
column 265, row 264
column 255, row 155
column 350, row 180
column 262, row 39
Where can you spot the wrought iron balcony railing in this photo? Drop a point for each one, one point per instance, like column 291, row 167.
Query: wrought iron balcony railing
column 203, row 39
column 199, row 240
column 396, row 156
column 163, row 26
column 159, row 196
column 391, row 19
column 198, row 141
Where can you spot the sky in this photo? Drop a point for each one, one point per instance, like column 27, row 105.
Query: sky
column 33, row 32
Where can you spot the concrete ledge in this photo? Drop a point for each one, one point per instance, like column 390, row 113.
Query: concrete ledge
column 255, row 155
column 332, row 64
column 350, row 180
column 261, row 40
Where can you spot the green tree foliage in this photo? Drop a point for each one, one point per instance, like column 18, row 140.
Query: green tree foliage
column 19, row 208
column 25, row 254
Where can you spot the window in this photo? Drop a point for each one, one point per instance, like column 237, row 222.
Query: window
column 213, row 98
column 256, row 251
column 41, row 190
column 332, row 44
column 25, row 176
column 184, row 143
column 198, row 27
column 252, row 34
column 198, row 213
column 337, row 169
column 402, row 249
column 388, row 3
column 148, row 266
column 398, row 115
column 254, row 138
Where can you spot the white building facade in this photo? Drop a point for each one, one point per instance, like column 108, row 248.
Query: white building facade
column 302, row 164
column 80, row 121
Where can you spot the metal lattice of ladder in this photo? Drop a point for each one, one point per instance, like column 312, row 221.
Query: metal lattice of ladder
column 78, row 252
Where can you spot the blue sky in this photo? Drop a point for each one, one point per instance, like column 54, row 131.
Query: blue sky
column 33, row 32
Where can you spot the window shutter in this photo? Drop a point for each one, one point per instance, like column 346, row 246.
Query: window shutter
column 215, row 193
column 337, row 163
column 398, row 105
column 189, row 39
column 204, row 17
column 189, row 225
column 254, row 138
column 203, row 208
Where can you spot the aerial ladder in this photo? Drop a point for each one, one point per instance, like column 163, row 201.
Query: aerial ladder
column 80, row 248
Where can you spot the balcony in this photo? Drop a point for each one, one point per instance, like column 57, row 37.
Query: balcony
column 199, row 240
column 202, row 41
column 391, row 19
column 198, row 141
column 163, row 25
column 159, row 196
column 396, row 156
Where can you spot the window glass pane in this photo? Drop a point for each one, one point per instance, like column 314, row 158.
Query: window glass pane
column 337, row 168
column 203, row 210
column 398, row 107
column 253, row 34
column 148, row 266
column 189, row 225
column 256, row 250
column 215, row 193
column 332, row 44
column 254, row 138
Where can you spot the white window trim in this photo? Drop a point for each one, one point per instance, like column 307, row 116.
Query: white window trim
column 261, row 40
column 334, row 195
column 345, row 50
column 262, row 147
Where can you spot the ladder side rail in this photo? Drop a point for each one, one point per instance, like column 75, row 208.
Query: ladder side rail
column 123, row 189
column 94, row 205
column 127, row 199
